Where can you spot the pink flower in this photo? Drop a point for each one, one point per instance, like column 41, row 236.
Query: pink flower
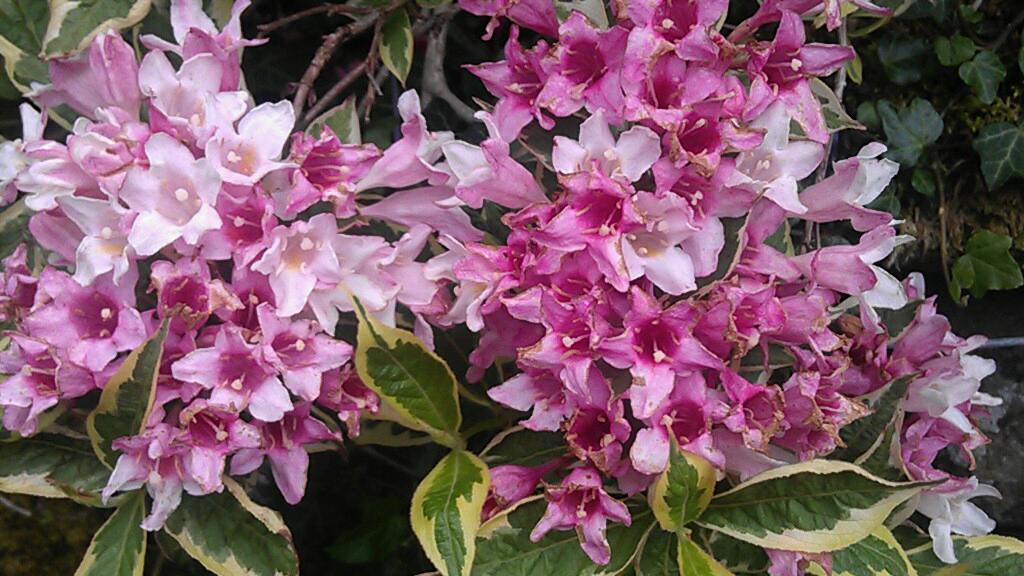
column 686, row 414
column 581, row 503
column 89, row 324
column 516, row 81
column 17, row 285
column 539, row 391
column 102, row 77
column 511, row 483
column 429, row 205
column 175, row 197
column 588, row 72
column 344, row 393
column 212, row 433
column 186, row 293
column 488, row 172
column 411, row 159
column 283, row 443
column 247, row 216
column 950, row 510
column 629, row 156
column 855, row 183
column 246, row 156
column 327, row 170
column 533, row 14
column 297, row 258
column 155, row 459
column 299, row 352
column 104, row 247
column 232, row 369
column 596, row 433
column 38, row 379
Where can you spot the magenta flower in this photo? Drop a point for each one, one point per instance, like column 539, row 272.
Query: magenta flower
column 539, row 391
column 17, row 285
column 299, row 352
column 38, row 379
column 247, row 219
column 88, row 324
column 533, row 14
column 327, row 170
column 237, row 376
column 589, row 62
column 344, row 393
column 596, row 432
column 581, row 503
column 283, row 443
column 185, row 292
column 212, row 433
column 511, row 483
column 686, row 415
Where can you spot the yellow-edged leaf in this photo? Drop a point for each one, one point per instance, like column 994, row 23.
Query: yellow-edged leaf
column 978, row 556
column 813, row 506
column 446, row 511
column 414, row 382
column 692, row 560
column 74, row 23
column 119, row 546
column 681, row 493
column 396, row 44
column 879, row 554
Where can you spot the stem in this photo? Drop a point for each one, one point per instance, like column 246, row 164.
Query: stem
column 434, row 81
column 326, row 10
column 329, row 96
column 323, row 54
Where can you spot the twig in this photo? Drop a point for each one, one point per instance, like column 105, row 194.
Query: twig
column 943, row 249
column 323, row 55
column 434, row 82
column 326, row 10
column 324, row 101
column 1011, row 28
column 15, row 508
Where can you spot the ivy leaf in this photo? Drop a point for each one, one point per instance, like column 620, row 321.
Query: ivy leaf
column 923, row 181
column 229, row 534
column 343, row 120
column 1001, row 147
column 409, row 378
column 901, row 58
column 119, row 546
column 683, row 490
column 955, row 50
column 396, row 44
column 986, row 265
column 878, row 554
column 984, row 74
column 910, row 130
column 979, row 556
column 813, row 506
column 503, row 547
column 446, row 511
column 127, row 398
column 52, row 466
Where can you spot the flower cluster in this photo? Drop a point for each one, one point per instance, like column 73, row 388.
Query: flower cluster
column 651, row 298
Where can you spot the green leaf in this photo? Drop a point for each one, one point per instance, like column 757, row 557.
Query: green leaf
column 861, row 435
column 22, row 32
column 524, row 447
column 127, row 398
column 879, row 554
column 73, row 24
column 658, row 555
column 1001, row 147
column 984, row 74
column 683, row 490
column 736, row 555
column 987, row 265
column 396, row 44
column 694, row 561
column 505, row 549
column 343, row 120
column 836, row 117
column 1020, row 55
column 910, row 130
column 954, row 50
column 119, row 547
column 13, row 227
column 901, row 58
column 855, row 70
column 867, row 114
column 229, row 534
column 594, row 10
column 923, row 181
column 52, row 467
column 409, row 378
column 813, row 506
column 446, row 511
column 979, row 556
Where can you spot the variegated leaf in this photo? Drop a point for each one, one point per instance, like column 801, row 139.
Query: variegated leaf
column 119, row 546
column 683, row 490
column 446, row 511
column 814, row 506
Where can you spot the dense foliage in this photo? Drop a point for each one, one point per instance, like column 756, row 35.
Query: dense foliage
column 629, row 317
